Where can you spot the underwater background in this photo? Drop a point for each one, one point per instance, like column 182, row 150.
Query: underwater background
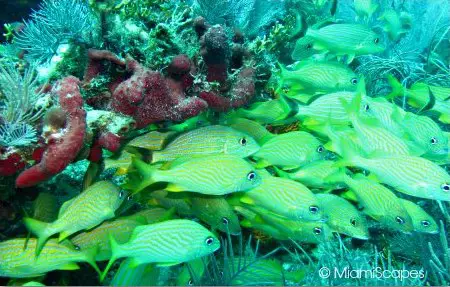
column 225, row 142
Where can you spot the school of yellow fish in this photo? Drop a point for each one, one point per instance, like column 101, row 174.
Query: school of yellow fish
column 343, row 159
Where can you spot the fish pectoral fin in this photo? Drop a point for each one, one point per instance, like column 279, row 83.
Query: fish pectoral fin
column 350, row 58
column 247, row 200
column 134, row 262
column 70, row 266
column 349, row 195
column 168, row 264
column 173, row 187
column 64, row 234
column 262, row 163
column 319, row 47
column 445, row 118
column 309, row 121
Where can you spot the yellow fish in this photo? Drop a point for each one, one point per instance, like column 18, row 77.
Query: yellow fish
column 85, row 211
column 17, row 258
column 213, row 175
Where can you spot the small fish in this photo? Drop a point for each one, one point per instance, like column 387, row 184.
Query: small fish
column 153, row 140
column 169, row 200
column 121, row 162
column 397, row 24
column 198, row 121
column 420, row 95
column 264, row 272
column 216, row 212
column 303, row 49
column 98, row 238
column 422, row 221
column 285, row 197
column 346, row 39
column 167, row 243
column 192, row 272
column 343, row 217
column 382, row 110
column 299, row 230
column 252, row 128
column 411, row 175
column 266, row 112
column 325, row 109
column 379, row 202
column 290, row 150
column 253, row 220
column 130, row 275
column 319, row 77
column 85, row 211
column 314, row 174
column 17, row 258
column 151, row 215
column 206, row 141
column 372, row 137
column 425, row 133
column 45, row 207
column 212, row 175
column 365, row 8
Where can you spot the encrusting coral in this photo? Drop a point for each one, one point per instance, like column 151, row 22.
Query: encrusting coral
column 63, row 146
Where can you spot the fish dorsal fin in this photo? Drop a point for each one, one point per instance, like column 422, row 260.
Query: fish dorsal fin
column 430, row 104
column 64, row 207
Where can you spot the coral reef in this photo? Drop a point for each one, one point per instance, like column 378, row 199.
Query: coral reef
column 149, row 97
column 63, row 146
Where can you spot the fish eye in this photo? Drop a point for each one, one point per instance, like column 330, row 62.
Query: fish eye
column 121, row 194
column 129, row 197
column 313, row 209
column 317, row 230
column 376, row 40
column 209, row 241
column 366, row 107
column 309, row 46
column 320, row 149
column 225, row 220
column 77, row 247
column 445, row 187
column 433, row 140
column 251, row 175
column 243, row 141
column 425, row 223
column 354, row 81
column 400, row 220
column 190, row 283
column 353, row 222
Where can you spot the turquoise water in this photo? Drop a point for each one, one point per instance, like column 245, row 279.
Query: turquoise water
column 238, row 142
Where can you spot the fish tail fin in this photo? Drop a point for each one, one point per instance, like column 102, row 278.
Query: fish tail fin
column 295, row 276
column 289, row 107
column 40, row 229
column 373, row 8
column 282, row 75
column 397, row 88
column 281, row 173
column 146, row 171
column 90, row 255
column 115, row 249
column 349, row 156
